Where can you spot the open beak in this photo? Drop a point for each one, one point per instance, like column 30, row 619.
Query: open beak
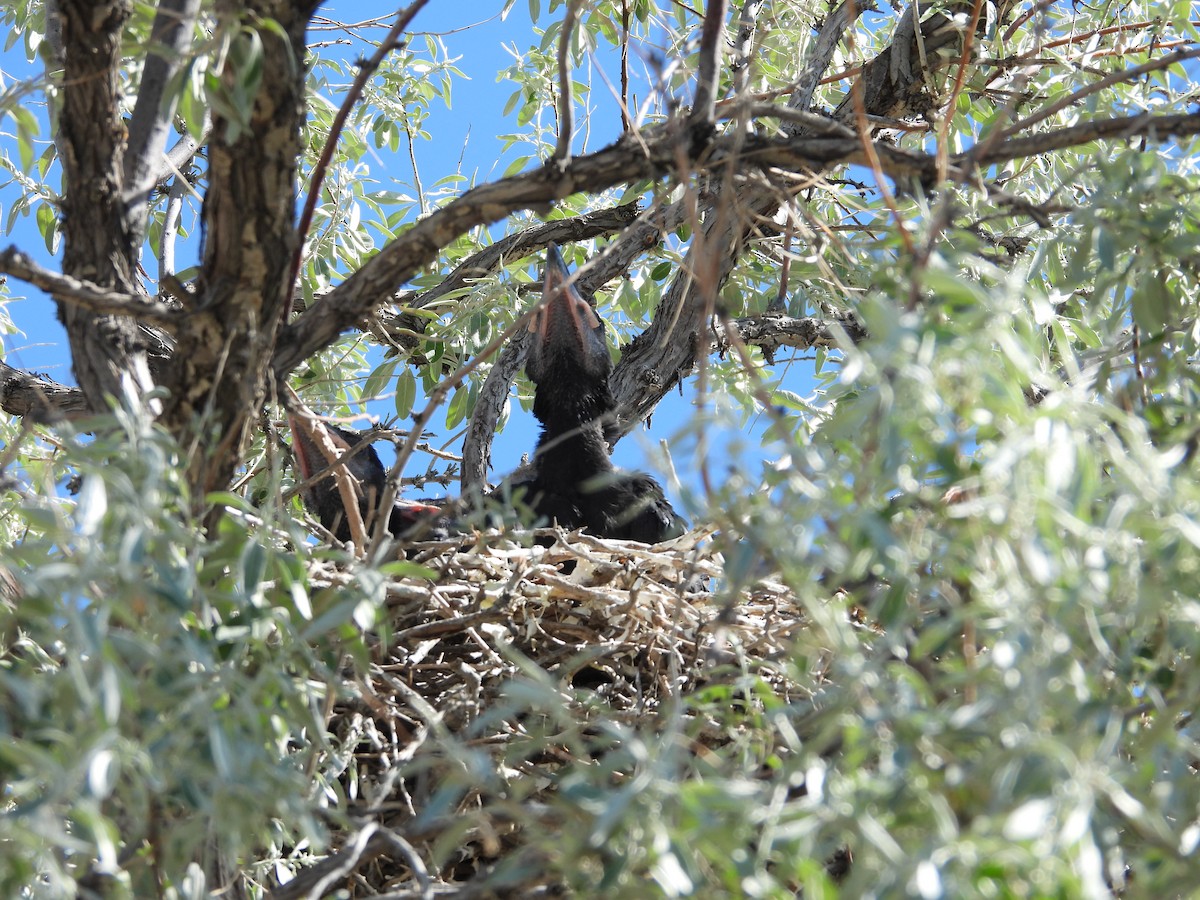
column 309, row 457
column 566, row 322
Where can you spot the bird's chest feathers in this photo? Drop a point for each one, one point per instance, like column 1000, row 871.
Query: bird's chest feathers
column 568, row 459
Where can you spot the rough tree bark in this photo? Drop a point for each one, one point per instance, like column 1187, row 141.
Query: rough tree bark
column 218, row 378
column 106, row 352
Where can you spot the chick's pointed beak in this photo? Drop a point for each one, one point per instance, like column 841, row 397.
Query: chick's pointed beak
column 565, row 323
column 308, row 456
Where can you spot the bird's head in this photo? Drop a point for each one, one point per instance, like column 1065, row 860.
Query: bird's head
column 323, row 497
column 365, row 465
column 568, row 358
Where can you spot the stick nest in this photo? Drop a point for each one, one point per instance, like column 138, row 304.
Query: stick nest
column 511, row 667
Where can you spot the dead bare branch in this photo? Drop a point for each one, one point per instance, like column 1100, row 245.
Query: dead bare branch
column 41, row 399
column 770, row 332
column 84, row 294
column 150, row 123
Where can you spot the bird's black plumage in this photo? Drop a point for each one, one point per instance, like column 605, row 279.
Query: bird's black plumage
column 572, row 479
column 405, row 519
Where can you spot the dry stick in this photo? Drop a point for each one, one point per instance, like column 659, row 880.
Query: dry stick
column 1014, row 100
column 743, row 45
column 365, row 71
column 316, row 432
column 348, row 858
column 785, row 267
column 566, row 112
column 412, row 158
column 170, row 229
column 1104, row 32
column 872, row 158
column 1040, row 6
column 85, row 294
column 941, row 148
column 333, row 464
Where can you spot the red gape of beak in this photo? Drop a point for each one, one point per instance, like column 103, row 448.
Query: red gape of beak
column 308, row 455
column 565, row 311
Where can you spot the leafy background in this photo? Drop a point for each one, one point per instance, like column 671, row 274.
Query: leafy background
column 1009, row 457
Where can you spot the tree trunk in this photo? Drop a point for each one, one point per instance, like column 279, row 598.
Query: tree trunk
column 219, row 376
column 106, row 351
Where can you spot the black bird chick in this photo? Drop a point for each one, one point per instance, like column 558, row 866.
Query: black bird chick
column 573, row 480
column 406, row 519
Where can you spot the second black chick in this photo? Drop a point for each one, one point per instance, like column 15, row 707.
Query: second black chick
column 406, row 519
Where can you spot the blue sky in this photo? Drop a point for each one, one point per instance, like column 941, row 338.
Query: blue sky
column 471, row 131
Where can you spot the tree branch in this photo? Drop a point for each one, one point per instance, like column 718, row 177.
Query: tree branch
column 401, row 327
column 218, row 375
column 649, row 155
column 743, row 44
column 1146, row 125
column 828, row 38
column 170, row 38
column 45, row 401
column 652, row 155
column 566, row 109
column 106, row 352
column 770, row 332
column 85, row 294
column 659, row 357
column 711, row 44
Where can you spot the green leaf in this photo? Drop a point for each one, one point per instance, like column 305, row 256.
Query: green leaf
column 377, row 381
column 516, row 165
column 27, row 132
column 1154, row 307
column 456, row 409
column 254, row 564
column 406, row 393
column 47, row 223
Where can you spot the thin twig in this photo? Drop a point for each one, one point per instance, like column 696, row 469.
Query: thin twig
column 1071, row 99
column 943, row 141
column 625, row 121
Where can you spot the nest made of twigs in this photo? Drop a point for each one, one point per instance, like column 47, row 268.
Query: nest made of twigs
column 614, row 629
